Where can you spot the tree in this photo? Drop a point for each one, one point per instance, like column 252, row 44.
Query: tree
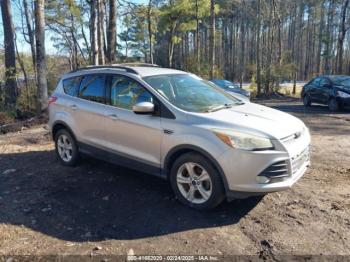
column 30, row 33
column 258, row 66
column 93, row 32
column 10, row 55
column 42, row 95
column 112, row 31
column 341, row 36
column 100, row 31
column 212, row 38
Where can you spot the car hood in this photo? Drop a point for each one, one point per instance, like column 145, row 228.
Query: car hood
column 257, row 119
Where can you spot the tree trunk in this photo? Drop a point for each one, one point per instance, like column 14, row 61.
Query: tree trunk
column 100, row 30
column 112, row 31
column 10, row 55
column 150, row 33
column 212, row 39
column 258, row 68
column 341, row 37
column 93, row 32
column 30, row 34
column 242, row 57
column 42, row 95
column 198, row 45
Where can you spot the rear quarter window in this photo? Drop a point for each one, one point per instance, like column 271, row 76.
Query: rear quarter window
column 71, row 85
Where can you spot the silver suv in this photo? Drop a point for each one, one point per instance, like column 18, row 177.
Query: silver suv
column 175, row 125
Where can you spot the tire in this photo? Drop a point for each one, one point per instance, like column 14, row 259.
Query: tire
column 200, row 192
column 333, row 105
column 66, row 148
column 307, row 100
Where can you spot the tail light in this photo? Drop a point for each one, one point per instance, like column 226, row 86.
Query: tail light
column 52, row 99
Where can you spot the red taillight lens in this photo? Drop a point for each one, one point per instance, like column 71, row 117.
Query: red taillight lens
column 52, row 99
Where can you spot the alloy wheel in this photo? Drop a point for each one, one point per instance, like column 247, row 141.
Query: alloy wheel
column 65, row 148
column 194, row 183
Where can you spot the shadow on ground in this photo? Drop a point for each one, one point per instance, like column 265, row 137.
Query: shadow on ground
column 97, row 201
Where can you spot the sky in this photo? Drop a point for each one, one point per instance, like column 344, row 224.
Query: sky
column 23, row 45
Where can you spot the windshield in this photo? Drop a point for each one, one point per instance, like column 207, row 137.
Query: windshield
column 191, row 93
column 342, row 80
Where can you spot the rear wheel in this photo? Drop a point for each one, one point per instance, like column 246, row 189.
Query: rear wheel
column 333, row 105
column 306, row 100
column 195, row 182
column 66, row 148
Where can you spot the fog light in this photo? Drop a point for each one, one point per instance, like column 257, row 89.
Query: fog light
column 262, row 179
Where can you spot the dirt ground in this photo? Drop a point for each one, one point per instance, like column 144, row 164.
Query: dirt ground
column 102, row 209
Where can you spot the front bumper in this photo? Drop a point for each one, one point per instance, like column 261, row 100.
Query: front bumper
column 242, row 168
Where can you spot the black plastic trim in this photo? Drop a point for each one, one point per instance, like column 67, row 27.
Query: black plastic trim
column 120, row 159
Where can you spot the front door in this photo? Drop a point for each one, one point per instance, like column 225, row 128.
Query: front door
column 132, row 136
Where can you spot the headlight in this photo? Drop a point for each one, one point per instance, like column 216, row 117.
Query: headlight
column 244, row 141
column 343, row 94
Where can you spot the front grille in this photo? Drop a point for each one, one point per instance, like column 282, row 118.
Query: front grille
column 276, row 170
column 299, row 160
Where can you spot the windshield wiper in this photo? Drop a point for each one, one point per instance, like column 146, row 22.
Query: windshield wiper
column 219, row 107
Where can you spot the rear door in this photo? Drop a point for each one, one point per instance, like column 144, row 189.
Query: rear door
column 129, row 135
column 90, row 109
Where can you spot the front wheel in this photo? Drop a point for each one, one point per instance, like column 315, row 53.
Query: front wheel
column 196, row 183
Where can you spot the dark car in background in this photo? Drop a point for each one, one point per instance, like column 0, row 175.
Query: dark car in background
column 230, row 87
column 331, row 90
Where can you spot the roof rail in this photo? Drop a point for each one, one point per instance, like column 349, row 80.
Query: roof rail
column 113, row 66
column 139, row 64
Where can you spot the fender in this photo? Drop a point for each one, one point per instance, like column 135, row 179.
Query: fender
column 60, row 122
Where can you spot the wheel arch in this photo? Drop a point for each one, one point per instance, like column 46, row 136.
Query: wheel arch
column 179, row 150
column 58, row 125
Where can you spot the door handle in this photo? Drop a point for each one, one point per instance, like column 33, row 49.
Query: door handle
column 74, row 107
column 113, row 116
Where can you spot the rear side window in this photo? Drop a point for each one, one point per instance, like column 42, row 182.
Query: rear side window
column 71, row 85
column 316, row 81
column 93, row 88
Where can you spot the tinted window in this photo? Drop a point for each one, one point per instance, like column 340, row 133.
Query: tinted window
column 324, row 81
column 316, row 81
column 126, row 92
column 71, row 85
column 93, row 88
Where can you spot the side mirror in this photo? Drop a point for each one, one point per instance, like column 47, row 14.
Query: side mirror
column 143, row 108
column 327, row 85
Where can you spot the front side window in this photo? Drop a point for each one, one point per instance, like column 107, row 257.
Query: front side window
column 92, row 88
column 191, row 93
column 126, row 92
column 71, row 85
